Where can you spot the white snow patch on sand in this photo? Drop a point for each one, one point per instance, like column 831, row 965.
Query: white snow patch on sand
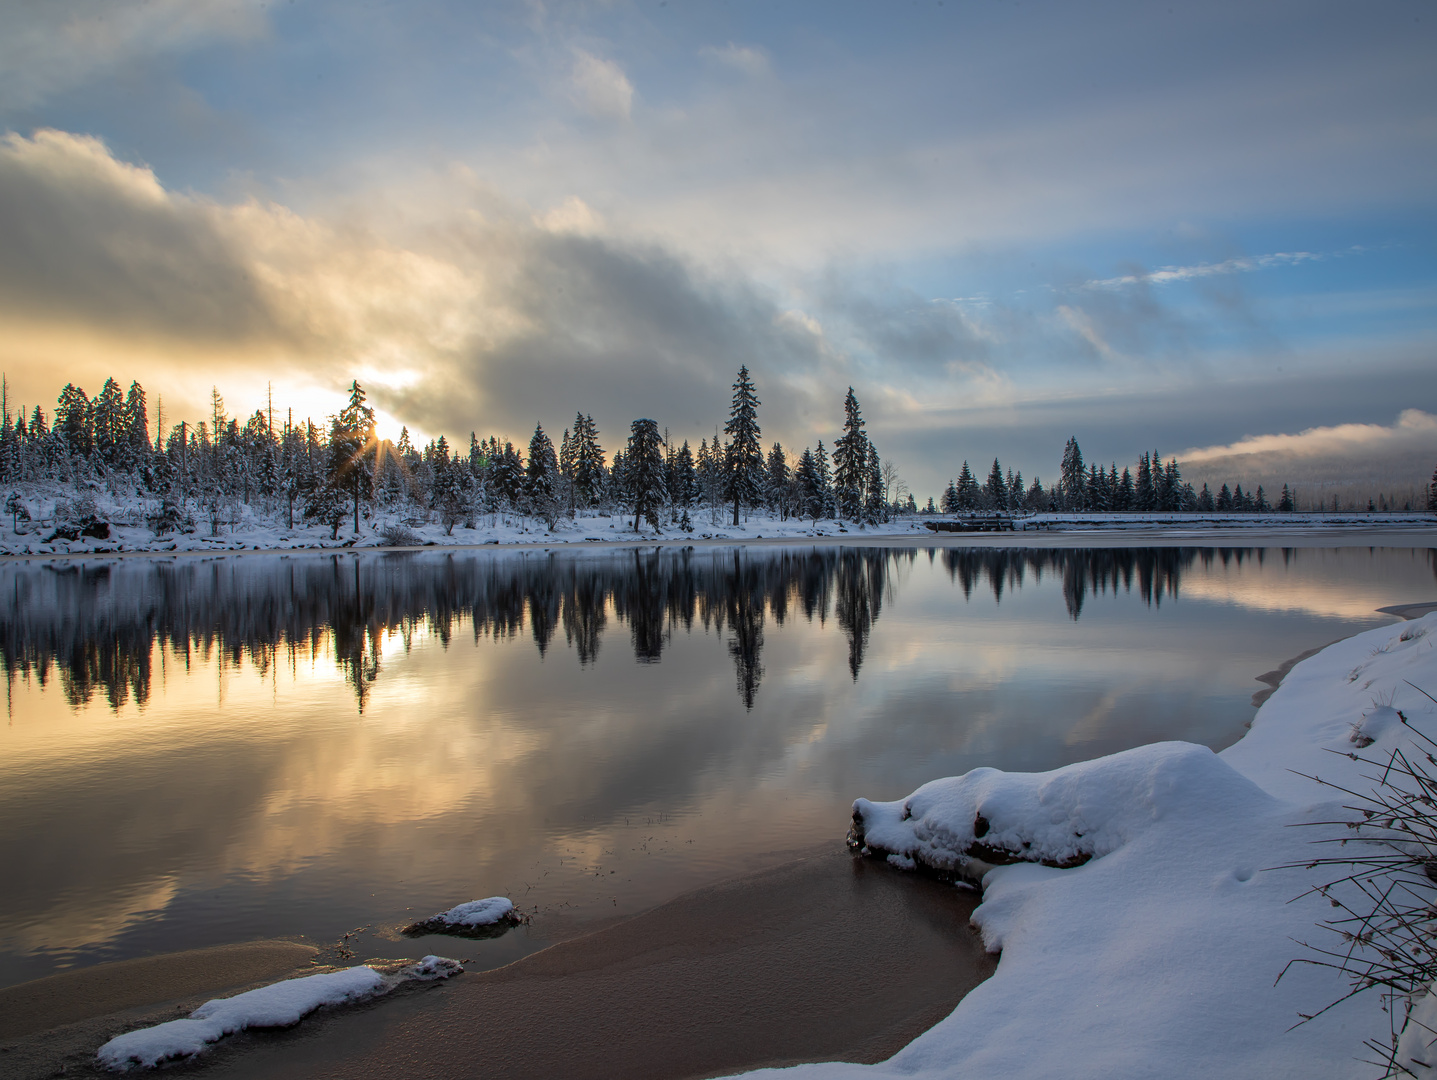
column 1154, row 946
column 280, row 1004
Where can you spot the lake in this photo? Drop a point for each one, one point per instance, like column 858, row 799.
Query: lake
column 208, row 750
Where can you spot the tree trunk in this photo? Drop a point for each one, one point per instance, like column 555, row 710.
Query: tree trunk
column 735, row 510
column 356, row 503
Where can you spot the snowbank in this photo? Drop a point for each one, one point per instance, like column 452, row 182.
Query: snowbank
column 495, row 913
column 1141, row 901
column 280, row 1004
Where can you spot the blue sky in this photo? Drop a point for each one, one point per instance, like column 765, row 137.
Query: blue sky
column 1003, row 223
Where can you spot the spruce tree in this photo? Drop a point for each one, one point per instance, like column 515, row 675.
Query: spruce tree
column 948, row 501
column 685, row 479
column 850, row 461
column 776, row 482
column 1284, row 503
column 1073, row 478
column 541, row 487
column 825, row 481
column 995, row 490
column 1143, row 491
column 588, row 461
column 968, row 491
column 350, row 464
column 875, row 506
column 806, row 476
column 644, row 469
column 743, row 465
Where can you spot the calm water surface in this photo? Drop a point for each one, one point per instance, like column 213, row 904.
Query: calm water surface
column 202, row 751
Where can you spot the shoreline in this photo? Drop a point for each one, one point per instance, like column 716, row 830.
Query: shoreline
column 1295, row 536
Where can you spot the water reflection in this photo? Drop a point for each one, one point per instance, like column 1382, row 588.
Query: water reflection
column 595, row 730
column 96, row 624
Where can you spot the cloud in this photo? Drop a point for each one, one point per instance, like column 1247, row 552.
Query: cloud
column 600, row 86
column 86, row 237
column 1167, row 275
column 1391, row 457
column 486, row 318
column 744, row 58
column 48, row 48
column 1413, row 428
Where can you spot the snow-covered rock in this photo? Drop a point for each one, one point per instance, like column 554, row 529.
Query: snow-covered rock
column 482, row 917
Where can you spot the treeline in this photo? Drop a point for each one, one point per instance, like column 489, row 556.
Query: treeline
column 1153, row 486
column 343, row 470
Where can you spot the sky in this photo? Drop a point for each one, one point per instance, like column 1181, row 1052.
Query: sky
column 1207, row 230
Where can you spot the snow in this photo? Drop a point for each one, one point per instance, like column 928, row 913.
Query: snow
column 1146, row 903
column 127, row 511
column 280, row 1004
column 477, row 912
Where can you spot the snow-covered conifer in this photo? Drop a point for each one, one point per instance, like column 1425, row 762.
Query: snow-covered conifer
column 644, row 468
column 743, row 460
column 850, row 462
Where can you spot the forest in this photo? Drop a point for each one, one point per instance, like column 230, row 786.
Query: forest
column 200, row 475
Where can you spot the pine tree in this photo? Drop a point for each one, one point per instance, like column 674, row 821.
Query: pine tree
column 542, row 475
column 1127, row 495
column 73, row 421
column 1261, row 503
column 948, row 501
column 1037, row 498
column 136, row 425
column 875, row 506
column 1095, row 498
column 850, row 461
column 743, row 465
column 1432, row 493
column 684, row 478
column 588, row 461
column 1073, row 476
column 1143, row 491
column 968, row 490
column 995, row 491
column 776, row 482
column 644, row 466
column 825, row 481
column 1284, row 502
column 1224, row 498
column 806, row 476
column 351, row 447
column 1205, row 502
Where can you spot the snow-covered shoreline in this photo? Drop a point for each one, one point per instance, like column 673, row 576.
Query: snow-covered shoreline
column 909, row 531
column 1158, row 953
column 123, row 524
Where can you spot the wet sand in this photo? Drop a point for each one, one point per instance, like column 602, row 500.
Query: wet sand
column 823, row 958
column 826, row 958
column 54, row 1025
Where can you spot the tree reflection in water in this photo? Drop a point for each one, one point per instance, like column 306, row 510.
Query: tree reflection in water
column 97, row 624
